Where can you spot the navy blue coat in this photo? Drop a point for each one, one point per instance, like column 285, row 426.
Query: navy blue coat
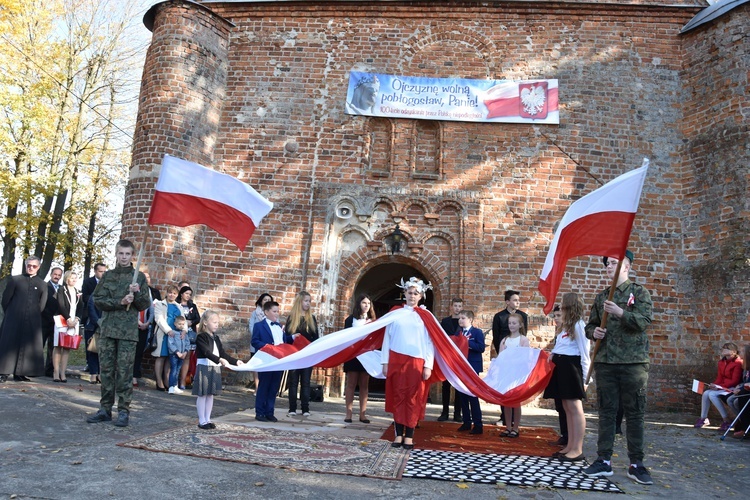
column 262, row 335
column 476, row 348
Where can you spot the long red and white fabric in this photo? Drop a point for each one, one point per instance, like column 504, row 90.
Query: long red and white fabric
column 597, row 224
column 526, row 375
column 188, row 193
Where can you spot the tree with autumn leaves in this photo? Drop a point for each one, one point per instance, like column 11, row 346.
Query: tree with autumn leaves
column 69, row 78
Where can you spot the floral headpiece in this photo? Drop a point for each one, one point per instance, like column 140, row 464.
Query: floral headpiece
column 372, row 80
column 420, row 285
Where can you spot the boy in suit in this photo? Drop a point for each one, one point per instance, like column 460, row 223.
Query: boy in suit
column 265, row 332
column 470, row 404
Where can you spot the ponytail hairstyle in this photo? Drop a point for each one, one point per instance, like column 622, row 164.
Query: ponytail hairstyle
column 207, row 314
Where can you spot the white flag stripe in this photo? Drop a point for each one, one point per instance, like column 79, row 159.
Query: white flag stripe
column 321, row 349
column 184, row 177
column 618, row 195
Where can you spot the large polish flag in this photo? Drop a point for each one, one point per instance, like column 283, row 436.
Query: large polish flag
column 527, row 373
column 597, row 224
column 188, row 193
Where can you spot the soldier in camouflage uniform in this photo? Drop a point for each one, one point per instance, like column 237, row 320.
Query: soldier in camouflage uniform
column 621, row 367
column 119, row 300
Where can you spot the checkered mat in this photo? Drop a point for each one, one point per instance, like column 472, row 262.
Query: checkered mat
column 508, row 469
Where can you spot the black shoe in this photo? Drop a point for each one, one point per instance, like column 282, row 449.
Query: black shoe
column 21, row 378
column 3, row 379
column 640, row 474
column 457, row 418
column 443, row 417
column 204, row 426
column 261, row 418
column 464, row 427
column 562, row 441
column 271, row 418
column 565, row 458
column 408, row 446
column 397, row 445
column 211, row 425
column 478, row 429
column 123, row 418
column 100, row 416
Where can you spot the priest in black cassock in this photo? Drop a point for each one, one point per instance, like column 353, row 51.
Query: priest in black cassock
column 21, row 342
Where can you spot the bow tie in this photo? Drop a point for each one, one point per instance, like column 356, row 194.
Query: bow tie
column 276, row 323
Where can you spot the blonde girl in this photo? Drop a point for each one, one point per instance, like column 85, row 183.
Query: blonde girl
column 210, row 357
column 301, row 321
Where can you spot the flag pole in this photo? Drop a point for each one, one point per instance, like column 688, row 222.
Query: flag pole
column 604, row 320
column 140, row 258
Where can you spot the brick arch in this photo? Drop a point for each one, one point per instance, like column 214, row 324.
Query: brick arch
column 440, row 234
column 482, row 45
column 386, row 200
column 359, row 263
column 415, row 201
column 451, row 204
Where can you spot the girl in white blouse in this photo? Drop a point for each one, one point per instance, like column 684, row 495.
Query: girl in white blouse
column 572, row 361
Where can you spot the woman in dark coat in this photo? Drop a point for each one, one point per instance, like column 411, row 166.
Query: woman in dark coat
column 21, row 341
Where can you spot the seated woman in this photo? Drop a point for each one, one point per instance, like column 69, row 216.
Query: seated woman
column 728, row 377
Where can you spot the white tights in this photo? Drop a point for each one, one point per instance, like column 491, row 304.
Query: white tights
column 204, row 404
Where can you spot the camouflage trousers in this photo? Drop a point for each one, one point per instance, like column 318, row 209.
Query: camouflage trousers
column 116, row 358
column 626, row 383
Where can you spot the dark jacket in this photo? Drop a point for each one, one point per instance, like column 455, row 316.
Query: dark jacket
column 310, row 334
column 21, row 341
column 262, row 335
column 476, row 348
column 204, row 348
column 64, row 302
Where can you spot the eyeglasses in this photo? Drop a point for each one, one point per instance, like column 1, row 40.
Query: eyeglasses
column 33, row 266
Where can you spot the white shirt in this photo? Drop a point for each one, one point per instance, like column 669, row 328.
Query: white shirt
column 408, row 336
column 277, row 332
column 358, row 322
column 579, row 346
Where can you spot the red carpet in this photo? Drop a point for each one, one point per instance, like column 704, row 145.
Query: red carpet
column 442, row 436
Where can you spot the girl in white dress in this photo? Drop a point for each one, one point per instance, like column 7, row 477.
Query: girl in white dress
column 517, row 338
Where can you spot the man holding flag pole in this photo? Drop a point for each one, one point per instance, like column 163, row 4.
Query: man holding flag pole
column 600, row 224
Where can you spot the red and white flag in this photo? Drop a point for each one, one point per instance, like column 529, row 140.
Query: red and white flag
column 188, row 193
column 527, row 375
column 597, row 224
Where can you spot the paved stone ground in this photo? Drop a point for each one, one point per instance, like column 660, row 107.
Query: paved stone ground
column 47, row 450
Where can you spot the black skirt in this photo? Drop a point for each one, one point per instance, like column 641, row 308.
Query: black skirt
column 567, row 378
column 353, row 365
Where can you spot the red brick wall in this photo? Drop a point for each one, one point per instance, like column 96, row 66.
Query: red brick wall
column 479, row 213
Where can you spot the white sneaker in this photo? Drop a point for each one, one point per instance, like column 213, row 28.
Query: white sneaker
column 306, row 414
column 177, row 390
column 291, row 414
column 171, row 389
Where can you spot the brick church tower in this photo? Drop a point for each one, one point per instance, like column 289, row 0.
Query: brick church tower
column 257, row 90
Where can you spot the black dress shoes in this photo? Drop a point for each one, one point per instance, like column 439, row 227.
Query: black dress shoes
column 464, row 427
column 443, row 417
column 478, row 429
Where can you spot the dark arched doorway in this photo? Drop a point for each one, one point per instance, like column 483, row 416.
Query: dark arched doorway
column 379, row 283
